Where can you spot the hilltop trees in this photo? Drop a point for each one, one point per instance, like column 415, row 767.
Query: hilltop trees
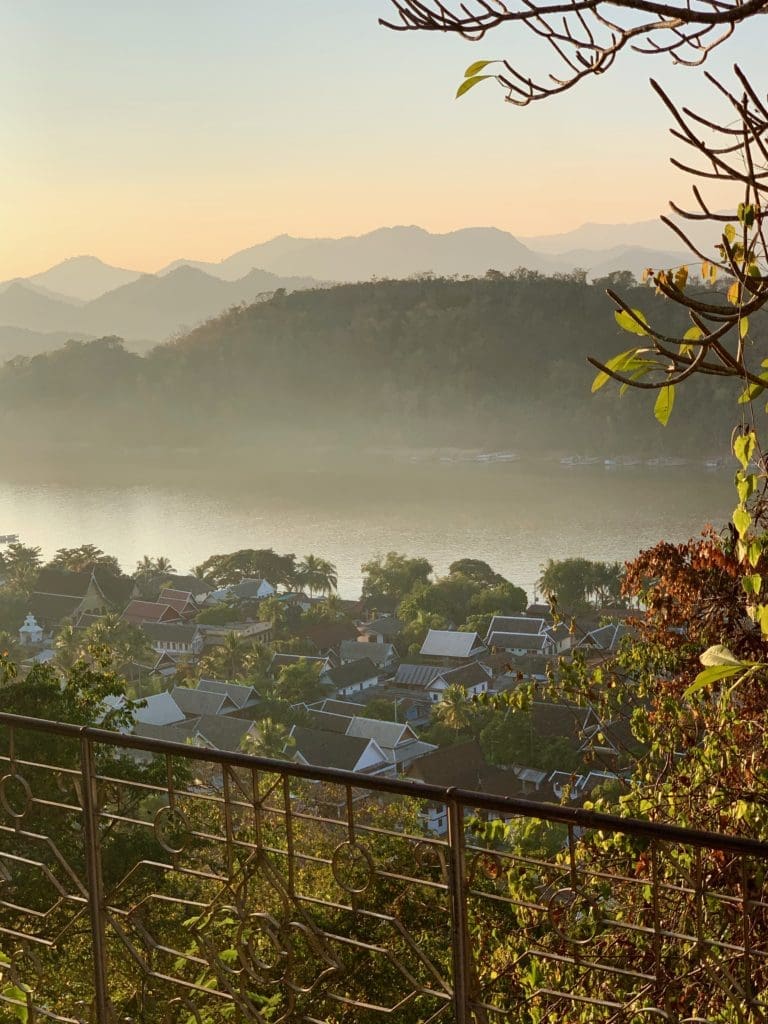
column 575, row 584
column 248, row 563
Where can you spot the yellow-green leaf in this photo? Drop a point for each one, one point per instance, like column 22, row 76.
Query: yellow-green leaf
column 743, row 327
column 712, row 675
column 662, row 410
column 742, row 520
column 470, row 83
column 681, row 278
column 629, row 323
column 693, row 334
column 752, row 584
column 730, row 232
column 477, row 67
column 623, row 361
column 744, row 448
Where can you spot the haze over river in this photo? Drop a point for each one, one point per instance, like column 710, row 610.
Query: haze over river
column 513, row 516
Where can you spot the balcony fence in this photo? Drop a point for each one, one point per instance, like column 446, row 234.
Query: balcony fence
column 143, row 881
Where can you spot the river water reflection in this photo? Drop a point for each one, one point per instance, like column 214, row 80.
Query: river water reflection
column 513, row 516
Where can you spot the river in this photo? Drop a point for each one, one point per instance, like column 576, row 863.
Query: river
column 513, row 516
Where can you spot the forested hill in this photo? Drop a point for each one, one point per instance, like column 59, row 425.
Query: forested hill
column 493, row 362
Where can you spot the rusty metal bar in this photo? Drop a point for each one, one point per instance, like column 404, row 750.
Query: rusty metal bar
column 95, row 879
column 457, row 892
column 504, row 806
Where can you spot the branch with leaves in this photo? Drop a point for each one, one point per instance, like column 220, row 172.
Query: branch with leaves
column 718, row 341
column 586, row 36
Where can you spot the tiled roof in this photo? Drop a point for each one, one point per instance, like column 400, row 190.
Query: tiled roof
column 466, row 675
column 239, row 695
column 148, row 611
column 449, row 643
column 172, row 632
column 379, row 654
column 415, row 675
column 517, row 624
column 52, row 608
column 198, row 702
column 352, row 672
column 223, row 732
column 328, row 749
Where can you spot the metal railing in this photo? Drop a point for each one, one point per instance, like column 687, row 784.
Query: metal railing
column 151, row 881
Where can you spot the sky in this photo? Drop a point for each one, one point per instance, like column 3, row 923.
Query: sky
column 142, row 132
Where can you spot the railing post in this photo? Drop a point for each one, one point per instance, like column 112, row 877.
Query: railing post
column 458, row 901
column 95, row 880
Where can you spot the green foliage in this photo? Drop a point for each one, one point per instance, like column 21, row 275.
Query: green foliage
column 387, row 579
column 248, row 563
column 297, row 351
column 577, row 583
column 84, row 559
column 300, row 682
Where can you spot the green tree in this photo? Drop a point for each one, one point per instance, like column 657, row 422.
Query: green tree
column 317, row 575
column 248, row 563
column 299, row 682
column 387, row 579
column 476, row 570
column 84, row 559
column 227, row 659
column 500, row 599
column 453, row 709
column 21, row 565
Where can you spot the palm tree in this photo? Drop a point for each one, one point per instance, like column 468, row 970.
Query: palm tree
column 228, row 658
column 163, row 564
column 318, row 575
column 272, row 740
column 68, row 646
column 454, row 710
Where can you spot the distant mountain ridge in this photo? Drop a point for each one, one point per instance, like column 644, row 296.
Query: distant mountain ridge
column 85, row 296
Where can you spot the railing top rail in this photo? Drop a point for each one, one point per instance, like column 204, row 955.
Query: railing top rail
column 505, row 805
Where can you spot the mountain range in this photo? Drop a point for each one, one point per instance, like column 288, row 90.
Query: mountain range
column 85, row 297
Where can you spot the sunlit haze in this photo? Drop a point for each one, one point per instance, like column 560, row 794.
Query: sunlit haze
column 145, row 132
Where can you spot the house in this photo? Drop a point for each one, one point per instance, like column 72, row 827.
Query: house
column 539, row 611
column 138, row 612
column 352, row 677
column 296, row 599
column 473, row 678
column 60, row 594
column 521, row 645
column 382, row 655
column 384, row 629
column 194, row 703
column 450, row 644
column 397, row 740
column 182, row 601
column 245, row 698
column 223, row 733
column 399, row 743
column 324, row 749
column 245, row 590
column 256, row 632
column 166, row 665
column 198, row 588
column 517, row 624
column 463, row 766
column 158, row 710
column 605, row 638
column 327, row 637
column 419, row 677
column 175, row 638
column 29, row 632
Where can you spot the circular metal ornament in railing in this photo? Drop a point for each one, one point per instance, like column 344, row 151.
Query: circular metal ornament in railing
column 352, row 867
column 15, row 796
column 172, row 830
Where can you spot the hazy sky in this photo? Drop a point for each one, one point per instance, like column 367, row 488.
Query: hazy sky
column 144, row 131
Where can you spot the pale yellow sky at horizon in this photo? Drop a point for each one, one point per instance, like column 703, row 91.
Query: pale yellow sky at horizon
column 142, row 135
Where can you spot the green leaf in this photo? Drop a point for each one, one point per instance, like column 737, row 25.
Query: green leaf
column 662, row 410
column 743, row 327
column 624, row 361
column 746, row 484
column 20, row 1012
column 628, row 323
column 730, row 232
column 712, row 675
column 742, row 520
column 752, row 584
column 746, row 214
column 470, row 83
column 744, row 448
column 477, row 67
column 751, row 392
